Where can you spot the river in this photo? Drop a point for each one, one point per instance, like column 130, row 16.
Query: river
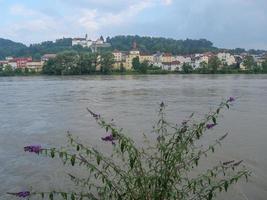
column 41, row 109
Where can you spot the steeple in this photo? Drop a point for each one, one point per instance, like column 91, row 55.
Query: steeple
column 134, row 45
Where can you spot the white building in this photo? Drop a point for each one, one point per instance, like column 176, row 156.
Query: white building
column 13, row 64
column 94, row 45
column 226, row 58
column 172, row 66
column 117, row 55
column 183, row 59
column 84, row 42
column 200, row 59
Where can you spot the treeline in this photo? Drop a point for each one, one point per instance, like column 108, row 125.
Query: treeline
column 154, row 44
column 78, row 63
column 81, row 63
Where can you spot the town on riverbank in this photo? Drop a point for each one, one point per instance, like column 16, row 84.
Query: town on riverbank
column 98, row 57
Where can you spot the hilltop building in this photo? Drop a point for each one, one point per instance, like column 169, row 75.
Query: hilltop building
column 88, row 43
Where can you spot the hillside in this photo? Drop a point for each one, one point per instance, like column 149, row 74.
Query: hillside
column 10, row 48
column 122, row 43
column 154, row 44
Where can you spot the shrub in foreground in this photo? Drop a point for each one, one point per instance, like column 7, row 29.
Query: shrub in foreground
column 166, row 168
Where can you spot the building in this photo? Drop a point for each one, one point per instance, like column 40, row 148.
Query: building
column 84, row 42
column 226, row 58
column 130, row 56
column 118, row 55
column 146, row 57
column 172, row 66
column 36, row 66
column 183, row 59
column 88, row 43
column 198, row 59
column 19, row 62
column 167, row 58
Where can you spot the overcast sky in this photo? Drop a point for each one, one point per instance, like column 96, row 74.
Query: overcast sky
column 227, row 23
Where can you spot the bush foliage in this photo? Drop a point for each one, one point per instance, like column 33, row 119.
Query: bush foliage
column 165, row 168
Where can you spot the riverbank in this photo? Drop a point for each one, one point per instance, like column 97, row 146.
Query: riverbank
column 157, row 72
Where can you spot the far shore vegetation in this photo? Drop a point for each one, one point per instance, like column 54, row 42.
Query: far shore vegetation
column 87, row 63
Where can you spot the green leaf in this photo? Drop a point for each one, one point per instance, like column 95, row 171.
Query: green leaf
column 64, row 195
column 122, row 147
column 197, row 134
column 72, row 196
column 132, row 161
column 109, row 185
column 72, row 160
column 78, row 148
column 196, row 161
column 210, row 195
column 98, row 158
column 192, row 114
column 51, row 196
column 226, row 185
column 212, row 149
column 214, row 120
column 227, row 106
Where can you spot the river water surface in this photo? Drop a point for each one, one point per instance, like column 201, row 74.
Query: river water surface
column 40, row 110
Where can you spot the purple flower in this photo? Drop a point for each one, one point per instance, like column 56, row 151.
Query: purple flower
column 33, row 149
column 209, row 126
column 109, row 138
column 231, row 99
column 22, row 194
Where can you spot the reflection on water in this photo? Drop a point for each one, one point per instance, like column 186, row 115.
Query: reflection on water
column 39, row 110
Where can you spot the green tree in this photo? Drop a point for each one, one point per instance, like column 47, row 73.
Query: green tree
column 214, row 64
column 8, row 70
column 264, row 66
column 18, row 71
column 249, row 63
column 106, row 63
column 136, row 64
column 122, row 68
column 144, row 67
column 86, row 64
column 187, row 68
column 203, row 68
column 50, row 67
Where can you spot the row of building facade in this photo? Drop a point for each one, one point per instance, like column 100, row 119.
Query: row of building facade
column 26, row 63
column 165, row 61
column 171, row 62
